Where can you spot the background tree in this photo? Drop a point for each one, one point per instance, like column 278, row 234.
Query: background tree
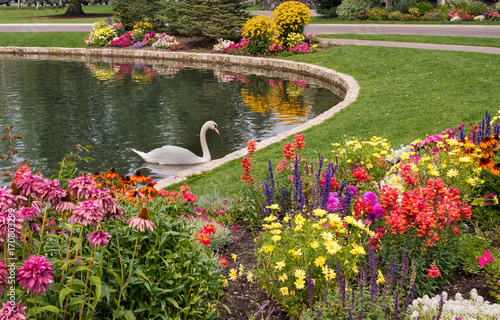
column 130, row 12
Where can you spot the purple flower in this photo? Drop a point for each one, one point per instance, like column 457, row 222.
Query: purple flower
column 354, row 191
column 333, row 202
column 370, row 197
column 376, row 213
column 98, row 238
column 4, row 275
column 7, row 200
column 83, row 186
column 36, row 274
column 12, row 311
column 87, row 213
column 141, row 222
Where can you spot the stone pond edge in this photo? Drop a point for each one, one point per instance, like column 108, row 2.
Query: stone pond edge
column 347, row 83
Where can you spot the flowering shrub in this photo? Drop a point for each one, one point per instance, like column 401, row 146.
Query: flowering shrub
column 238, row 48
column 222, row 45
column 261, row 32
column 123, row 41
column 166, row 42
column 291, row 16
column 140, row 29
column 100, row 35
column 294, row 39
column 460, row 15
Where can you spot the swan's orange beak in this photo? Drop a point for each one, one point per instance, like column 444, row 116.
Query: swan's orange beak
column 216, row 130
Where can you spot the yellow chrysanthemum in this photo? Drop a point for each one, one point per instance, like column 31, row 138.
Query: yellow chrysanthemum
column 233, row 274
column 452, row 173
column 280, row 265
column 283, row 277
column 300, row 283
column 284, row 291
column 314, row 245
column 332, row 247
column 319, row 261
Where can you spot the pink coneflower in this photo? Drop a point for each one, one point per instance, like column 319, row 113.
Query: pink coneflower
column 10, row 226
column 29, row 213
column 4, row 275
column 12, row 311
column 83, row 186
column 29, row 184
column 51, row 191
column 87, row 213
column 7, row 199
column 108, row 203
column 98, row 238
column 141, row 222
column 36, row 274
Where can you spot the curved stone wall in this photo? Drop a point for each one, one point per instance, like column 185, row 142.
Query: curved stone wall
column 341, row 84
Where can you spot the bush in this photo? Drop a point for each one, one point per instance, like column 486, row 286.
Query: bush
column 477, row 8
column 323, row 7
column 431, row 16
column 212, row 18
column 351, row 9
column 404, row 5
column 458, row 4
column 332, row 13
column 395, row 16
column 424, row 7
column 261, row 32
column 130, row 12
column 497, row 7
column 291, row 16
column 469, row 250
column 377, row 14
column 444, row 12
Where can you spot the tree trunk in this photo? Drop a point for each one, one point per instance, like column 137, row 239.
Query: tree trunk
column 18, row 4
column 388, row 5
column 74, row 9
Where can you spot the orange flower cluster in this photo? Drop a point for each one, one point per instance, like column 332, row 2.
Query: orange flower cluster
column 409, row 176
column 246, row 163
column 489, row 146
column 361, row 175
column 427, row 210
column 203, row 235
column 289, row 151
column 251, row 147
column 298, row 142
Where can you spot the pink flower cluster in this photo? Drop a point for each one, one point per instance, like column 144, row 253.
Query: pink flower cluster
column 36, row 274
column 237, row 48
column 123, row 41
column 301, row 48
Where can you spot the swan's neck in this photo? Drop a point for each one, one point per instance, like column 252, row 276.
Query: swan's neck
column 204, row 146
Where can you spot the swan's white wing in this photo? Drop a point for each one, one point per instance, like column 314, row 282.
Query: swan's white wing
column 172, row 155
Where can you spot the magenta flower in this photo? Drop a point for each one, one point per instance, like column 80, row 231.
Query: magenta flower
column 30, row 184
column 51, row 191
column 7, row 200
column 98, row 238
column 108, row 203
column 485, row 259
column 10, row 226
column 12, row 311
column 87, row 213
column 141, row 221
column 28, row 213
column 333, row 202
column 36, row 274
column 83, row 186
column 370, row 197
column 4, row 275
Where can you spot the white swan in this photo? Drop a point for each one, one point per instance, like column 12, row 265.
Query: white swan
column 177, row 155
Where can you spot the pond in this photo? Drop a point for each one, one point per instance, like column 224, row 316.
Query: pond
column 114, row 107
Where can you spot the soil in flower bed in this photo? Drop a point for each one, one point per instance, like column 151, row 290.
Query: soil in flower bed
column 246, row 299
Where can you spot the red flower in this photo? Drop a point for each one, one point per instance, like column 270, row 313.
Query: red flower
column 203, row 238
column 246, row 163
column 433, row 272
column 188, row 196
column 361, row 175
column 223, row 262
column 299, row 141
column 251, row 147
column 209, row 229
column 184, row 188
column 289, row 151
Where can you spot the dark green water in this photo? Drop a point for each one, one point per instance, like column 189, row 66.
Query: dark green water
column 54, row 105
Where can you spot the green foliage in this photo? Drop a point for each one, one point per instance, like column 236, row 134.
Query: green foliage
column 444, row 11
column 497, row 7
column 68, row 166
column 424, row 7
column 477, row 8
column 431, row 16
column 377, row 13
column 332, row 13
column 493, row 273
column 220, row 239
column 323, row 7
column 470, row 248
column 351, row 9
column 404, row 5
column 212, row 18
column 130, row 12
column 395, row 16
column 458, row 4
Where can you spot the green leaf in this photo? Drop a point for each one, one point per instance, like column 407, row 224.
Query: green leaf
column 172, row 301
column 97, row 282
column 52, row 309
column 62, row 295
column 129, row 315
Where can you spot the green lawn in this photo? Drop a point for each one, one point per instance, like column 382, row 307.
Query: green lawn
column 466, row 41
column 405, row 94
column 25, row 14
column 43, row 39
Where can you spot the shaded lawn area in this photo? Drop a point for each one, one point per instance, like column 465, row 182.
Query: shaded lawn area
column 25, row 14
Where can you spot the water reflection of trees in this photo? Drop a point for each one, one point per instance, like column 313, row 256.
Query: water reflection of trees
column 56, row 104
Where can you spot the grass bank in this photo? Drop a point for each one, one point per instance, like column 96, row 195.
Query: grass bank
column 43, row 39
column 405, row 94
column 464, row 41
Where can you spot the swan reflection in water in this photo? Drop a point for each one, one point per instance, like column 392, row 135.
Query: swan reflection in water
column 172, row 155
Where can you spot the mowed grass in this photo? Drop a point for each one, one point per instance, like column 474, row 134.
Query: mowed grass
column 405, row 94
column 43, row 39
column 464, row 41
column 26, row 14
